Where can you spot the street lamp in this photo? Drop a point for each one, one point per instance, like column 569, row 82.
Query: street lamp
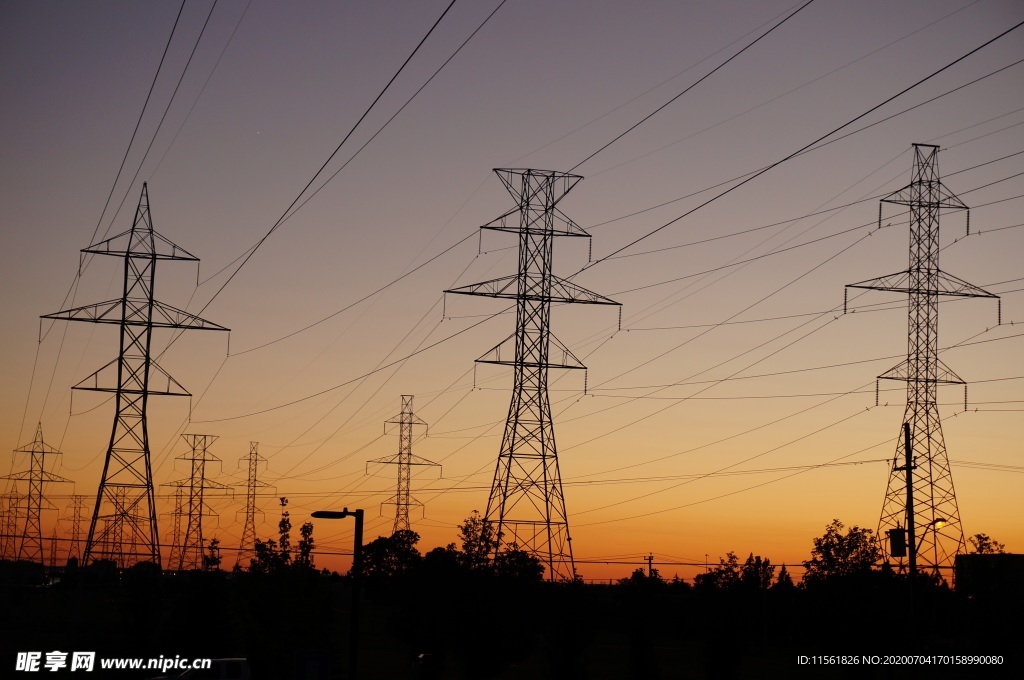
column 357, row 569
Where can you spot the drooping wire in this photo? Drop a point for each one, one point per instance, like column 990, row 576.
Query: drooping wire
column 693, row 85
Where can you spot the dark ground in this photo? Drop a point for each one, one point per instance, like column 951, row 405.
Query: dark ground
column 481, row 626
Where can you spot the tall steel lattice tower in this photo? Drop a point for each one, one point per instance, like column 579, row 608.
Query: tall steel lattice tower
column 133, row 377
column 246, row 547
column 925, row 511
column 404, row 459
column 526, row 506
column 192, row 545
column 30, row 536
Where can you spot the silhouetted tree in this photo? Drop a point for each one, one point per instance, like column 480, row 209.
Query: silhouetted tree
column 640, row 578
column 478, row 541
column 784, row 580
column 211, row 560
column 266, row 558
column 387, row 557
column 284, row 528
column 841, row 555
column 304, row 559
column 725, row 575
column 757, row 573
column 513, row 563
column 985, row 545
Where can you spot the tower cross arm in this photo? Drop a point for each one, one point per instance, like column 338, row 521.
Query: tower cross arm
column 106, row 380
column 393, row 459
column 159, row 247
column 905, row 372
column 938, row 196
column 136, row 313
column 561, row 290
column 99, row 312
column 560, row 225
column 166, row 316
column 946, row 284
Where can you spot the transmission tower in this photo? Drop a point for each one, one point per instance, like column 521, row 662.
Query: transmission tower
column 526, row 504
column 192, row 541
column 9, row 504
column 246, row 546
column 53, row 549
column 176, row 514
column 76, row 507
column 921, row 509
column 404, row 459
column 30, row 536
column 133, row 377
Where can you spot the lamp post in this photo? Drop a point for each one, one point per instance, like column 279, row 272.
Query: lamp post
column 357, row 570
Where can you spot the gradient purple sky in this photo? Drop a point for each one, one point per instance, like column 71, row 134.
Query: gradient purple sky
column 541, row 85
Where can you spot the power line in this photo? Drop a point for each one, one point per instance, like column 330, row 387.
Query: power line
column 149, row 94
column 78, row 275
column 782, row 250
column 695, row 84
column 163, row 117
column 284, row 215
column 804, row 148
column 202, row 89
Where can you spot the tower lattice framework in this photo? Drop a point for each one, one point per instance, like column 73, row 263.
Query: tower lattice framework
column 405, row 421
column 176, row 513
column 526, row 506
column 929, row 510
column 9, row 504
column 28, row 521
column 197, row 485
column 133, row 377
column 75, row 507
column 246, row 547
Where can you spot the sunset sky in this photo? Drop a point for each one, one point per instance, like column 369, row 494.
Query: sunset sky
column 735, row 370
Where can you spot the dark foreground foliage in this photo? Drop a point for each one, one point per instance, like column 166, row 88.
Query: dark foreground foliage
column 481, row 623
column 463, row 612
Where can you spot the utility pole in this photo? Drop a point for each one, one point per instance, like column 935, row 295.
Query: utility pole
column 404, row 460
column 526, row 505
column 30, row 537
column 934, row 526
column 132, row 377
column 908, row 468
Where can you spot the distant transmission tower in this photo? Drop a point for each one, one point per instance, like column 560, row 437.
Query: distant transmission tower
column 404, row 459
column 76, row 507
column 9, row 504
column 176, row 515
column 30, row 536
column 920, row 511
column 526, row 504
column 130, row 377
column 248, row 542
column 192, row 542
column 53, row 549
